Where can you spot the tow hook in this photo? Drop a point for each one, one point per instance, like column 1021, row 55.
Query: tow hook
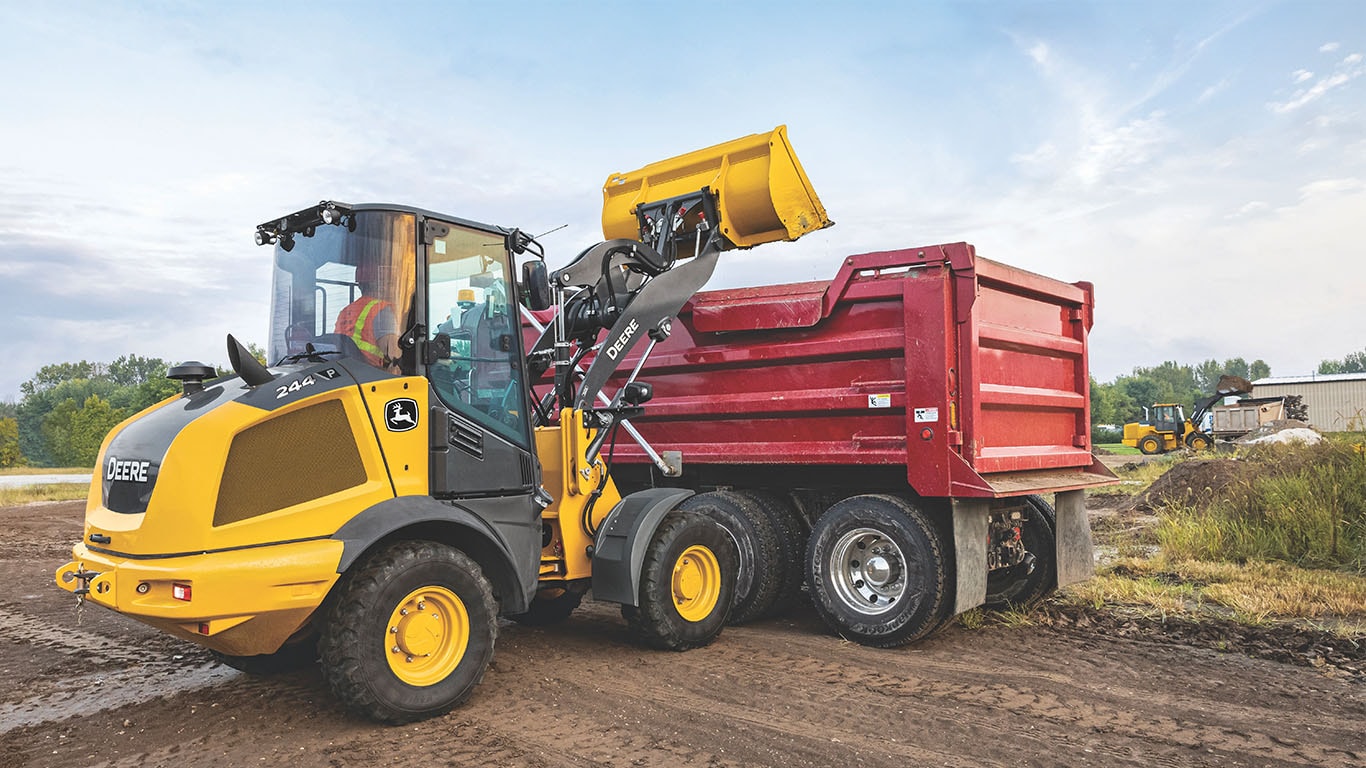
column 84, row 577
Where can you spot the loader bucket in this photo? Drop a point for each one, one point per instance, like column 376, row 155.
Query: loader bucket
column 762, row 192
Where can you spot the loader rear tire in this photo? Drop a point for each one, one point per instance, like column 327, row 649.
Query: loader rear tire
column 759, row 544
column 687, row 583
column 1017, row 587
column 411, row 632
column 876, row 571
column 1150, row 445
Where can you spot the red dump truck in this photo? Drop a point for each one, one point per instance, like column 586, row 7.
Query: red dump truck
column 886, row 438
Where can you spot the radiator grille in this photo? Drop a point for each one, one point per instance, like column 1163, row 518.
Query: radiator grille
column 294, row 458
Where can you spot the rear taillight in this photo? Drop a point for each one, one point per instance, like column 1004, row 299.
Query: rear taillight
column 181, row 592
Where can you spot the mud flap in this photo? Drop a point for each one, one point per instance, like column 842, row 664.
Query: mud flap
column 622, row 541
column 1075, row 562
column 970, row 519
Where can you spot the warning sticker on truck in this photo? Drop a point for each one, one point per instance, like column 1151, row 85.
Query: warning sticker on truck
column 879, row 401
column 924, row 415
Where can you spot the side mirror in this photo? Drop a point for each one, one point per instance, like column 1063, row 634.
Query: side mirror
column 536, row 285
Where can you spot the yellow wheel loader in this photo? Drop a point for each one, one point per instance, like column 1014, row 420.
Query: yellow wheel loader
column 393, row 482
column 1166, row 428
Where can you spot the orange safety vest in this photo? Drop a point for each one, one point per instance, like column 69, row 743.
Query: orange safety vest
column 356, row 321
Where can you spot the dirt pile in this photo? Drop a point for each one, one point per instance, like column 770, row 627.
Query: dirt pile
column 1281, row 431
column 1194, row 482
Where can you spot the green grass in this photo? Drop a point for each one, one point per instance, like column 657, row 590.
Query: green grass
column 11, row 497
column 1120, row 449
column 1305, row 505
column 9, row 471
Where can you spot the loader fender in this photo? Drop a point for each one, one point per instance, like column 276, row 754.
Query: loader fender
column 425, row 518
column 623, row 538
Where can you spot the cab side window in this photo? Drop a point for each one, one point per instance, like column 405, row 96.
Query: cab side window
column 470, row 300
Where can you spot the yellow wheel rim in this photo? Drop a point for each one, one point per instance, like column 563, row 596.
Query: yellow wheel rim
column 426, row 636
column 696, row 583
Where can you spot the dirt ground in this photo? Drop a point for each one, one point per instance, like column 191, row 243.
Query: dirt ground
column 96, row 689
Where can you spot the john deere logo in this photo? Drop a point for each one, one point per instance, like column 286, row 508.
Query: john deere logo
column 400, row 414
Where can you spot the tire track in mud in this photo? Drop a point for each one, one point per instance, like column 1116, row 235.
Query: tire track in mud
column 127, row 674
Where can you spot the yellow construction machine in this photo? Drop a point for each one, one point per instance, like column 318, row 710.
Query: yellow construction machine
column 393, row 482
column 1166, row 428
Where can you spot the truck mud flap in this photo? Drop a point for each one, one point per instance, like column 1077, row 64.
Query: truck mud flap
column 970, row 519
column 1075, row 561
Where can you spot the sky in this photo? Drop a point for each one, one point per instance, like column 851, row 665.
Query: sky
column 1203, row 164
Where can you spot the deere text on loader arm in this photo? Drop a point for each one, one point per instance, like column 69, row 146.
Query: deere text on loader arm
column 392, row 483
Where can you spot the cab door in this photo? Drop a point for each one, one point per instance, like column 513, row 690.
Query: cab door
column 481, row 447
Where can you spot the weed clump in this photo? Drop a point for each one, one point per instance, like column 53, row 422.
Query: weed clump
column 1302, row 504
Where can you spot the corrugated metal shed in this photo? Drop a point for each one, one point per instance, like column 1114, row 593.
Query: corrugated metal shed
column 1336, row 401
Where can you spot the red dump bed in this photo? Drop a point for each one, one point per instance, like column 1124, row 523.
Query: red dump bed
column 969, row 373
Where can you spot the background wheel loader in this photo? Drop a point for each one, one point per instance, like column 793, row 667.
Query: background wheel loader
column 1166, row 427
column 393, row 482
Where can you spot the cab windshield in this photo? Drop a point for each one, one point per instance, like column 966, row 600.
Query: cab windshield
column 346, row 289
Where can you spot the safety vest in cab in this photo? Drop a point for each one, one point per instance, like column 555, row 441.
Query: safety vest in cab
column 358, row 322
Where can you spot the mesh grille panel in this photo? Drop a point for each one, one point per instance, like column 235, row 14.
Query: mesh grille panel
column 297, row 457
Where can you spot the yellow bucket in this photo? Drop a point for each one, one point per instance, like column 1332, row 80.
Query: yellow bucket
column 763, row 195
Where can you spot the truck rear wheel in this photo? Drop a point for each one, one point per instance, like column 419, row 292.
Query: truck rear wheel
column 411, row 632
column 876, row 570
column 1021, row 586
column 1150, row 445
column 759, row 544
column 792, row 537
column 687, row 583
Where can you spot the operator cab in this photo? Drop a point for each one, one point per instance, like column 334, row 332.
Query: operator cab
column 1169, row 418
column 412, row 293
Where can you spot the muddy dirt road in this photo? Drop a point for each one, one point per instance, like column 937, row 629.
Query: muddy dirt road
column 108, row 692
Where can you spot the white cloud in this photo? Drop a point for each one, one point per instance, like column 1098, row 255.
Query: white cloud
column 1328, row 47
column 1212, row 91
column 1348, row 70
column 1300, row 75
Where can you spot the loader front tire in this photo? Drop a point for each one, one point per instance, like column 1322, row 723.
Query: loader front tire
column 410, row 634
column 687, row 583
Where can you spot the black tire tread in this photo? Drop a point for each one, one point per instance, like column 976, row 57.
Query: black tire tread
column 341, row 645
column 925, row 618
column 656, row 622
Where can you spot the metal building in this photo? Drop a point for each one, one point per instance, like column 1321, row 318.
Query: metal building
column 1336, row 401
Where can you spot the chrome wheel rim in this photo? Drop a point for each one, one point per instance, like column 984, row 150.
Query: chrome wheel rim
column 868, row 571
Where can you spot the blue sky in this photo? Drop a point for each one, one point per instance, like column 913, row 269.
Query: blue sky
column 1204, row 164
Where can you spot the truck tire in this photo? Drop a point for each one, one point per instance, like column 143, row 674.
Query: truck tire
column 292, row 656
column 792, row 537
column 550, row 606
column 759, row 544
column 876, row 570
column 1198, row 441
column 411, row 632
column 687, row 583
column 1019, row 587
column 1150, row 445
